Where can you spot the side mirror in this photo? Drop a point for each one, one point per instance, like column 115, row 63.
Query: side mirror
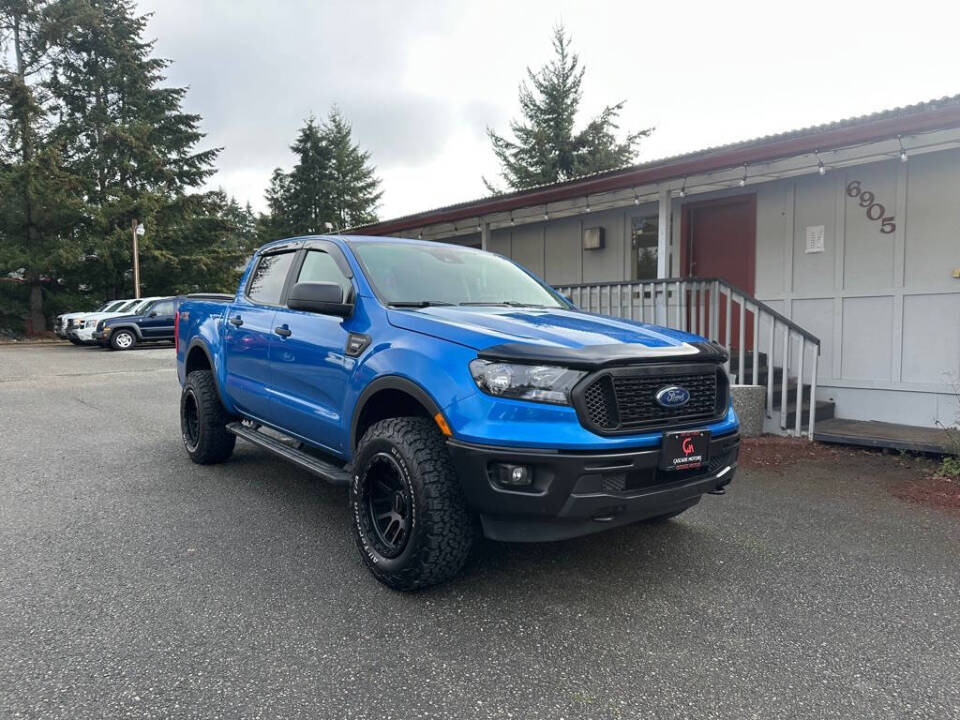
column 153, row 313
column 325, row 298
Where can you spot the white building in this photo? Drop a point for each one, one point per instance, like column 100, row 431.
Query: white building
column 850, row 231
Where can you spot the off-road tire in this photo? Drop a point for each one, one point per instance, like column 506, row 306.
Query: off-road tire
column 442, row 530
column 118, row 339
column 203, row 420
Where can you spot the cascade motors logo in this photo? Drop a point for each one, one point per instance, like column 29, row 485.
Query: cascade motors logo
column 673, row 396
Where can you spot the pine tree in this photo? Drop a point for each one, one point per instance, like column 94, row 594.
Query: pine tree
column 308, row 203
column 36, row 207
column 546, row 147
column 125, row 134
column 332, row 184
column 354, row 187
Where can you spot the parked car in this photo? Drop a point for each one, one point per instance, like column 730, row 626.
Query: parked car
column 84, row 331
column 152, row 322
column 67, row 321
column 455, row 394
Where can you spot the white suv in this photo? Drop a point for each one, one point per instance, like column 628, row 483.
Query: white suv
column 87, row 326
column 68, row 322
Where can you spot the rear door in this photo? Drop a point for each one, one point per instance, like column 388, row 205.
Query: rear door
column 308, row 359
column 248, row 330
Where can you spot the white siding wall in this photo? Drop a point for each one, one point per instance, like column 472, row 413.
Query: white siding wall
column 884, row 305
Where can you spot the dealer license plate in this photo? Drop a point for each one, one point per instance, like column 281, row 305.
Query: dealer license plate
column 685, row 450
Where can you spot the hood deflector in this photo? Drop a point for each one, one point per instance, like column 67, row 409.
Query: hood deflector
column 592, row 357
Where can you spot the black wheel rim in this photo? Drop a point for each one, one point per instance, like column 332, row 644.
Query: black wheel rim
column 387, row 504
column 191, row 420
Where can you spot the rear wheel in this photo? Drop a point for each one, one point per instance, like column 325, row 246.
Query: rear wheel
column 410, row 520
column 203, row 420
column 123, row 339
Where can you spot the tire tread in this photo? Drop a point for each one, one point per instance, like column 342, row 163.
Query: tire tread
column 450, row 530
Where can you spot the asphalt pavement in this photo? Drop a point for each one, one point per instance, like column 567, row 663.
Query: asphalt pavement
column 136, row 584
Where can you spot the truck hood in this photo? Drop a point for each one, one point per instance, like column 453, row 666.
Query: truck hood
column 554, row 335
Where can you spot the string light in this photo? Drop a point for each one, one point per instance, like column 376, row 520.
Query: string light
column 512, row 221
column 683, row 187
column 743, row 180
column 820, row 168
column 546, row 215
column 636, row 198
column 587, row 208
column 903, row 152
column 420, row 235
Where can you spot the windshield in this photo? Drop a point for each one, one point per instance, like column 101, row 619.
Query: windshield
column 417, row 275
column 126, row 306
column 139, row 306
column 111, row 306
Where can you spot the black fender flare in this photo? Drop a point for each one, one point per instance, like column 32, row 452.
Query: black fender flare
column 199, row 343
column 389, row 382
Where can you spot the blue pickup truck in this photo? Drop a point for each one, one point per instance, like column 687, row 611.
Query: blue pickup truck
column 455, row 394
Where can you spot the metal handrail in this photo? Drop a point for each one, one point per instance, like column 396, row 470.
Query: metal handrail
column 664, row 281
column 697, row 309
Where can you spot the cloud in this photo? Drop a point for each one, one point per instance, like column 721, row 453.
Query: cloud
column 421, row 81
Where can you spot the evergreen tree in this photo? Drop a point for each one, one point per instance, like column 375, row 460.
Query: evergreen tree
column 37, row 208
column 125, row 135
column 354, row 188
column 332, row 183
column 546, row 147
column 307, row 200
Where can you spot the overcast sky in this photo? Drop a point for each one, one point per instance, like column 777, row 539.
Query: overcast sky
column 420, row 81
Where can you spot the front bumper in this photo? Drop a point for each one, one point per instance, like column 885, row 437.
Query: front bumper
column 575, row 493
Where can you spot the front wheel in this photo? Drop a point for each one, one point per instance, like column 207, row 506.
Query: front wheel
column 123, row 340
column 410, row 520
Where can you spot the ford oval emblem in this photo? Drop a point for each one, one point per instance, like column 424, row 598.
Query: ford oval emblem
column 673, row 396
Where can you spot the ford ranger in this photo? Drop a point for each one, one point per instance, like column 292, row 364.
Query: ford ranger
column 455, row 394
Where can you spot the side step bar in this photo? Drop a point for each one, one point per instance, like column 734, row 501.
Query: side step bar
column 328, row 471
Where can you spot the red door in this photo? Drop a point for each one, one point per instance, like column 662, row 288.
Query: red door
column 719, row 241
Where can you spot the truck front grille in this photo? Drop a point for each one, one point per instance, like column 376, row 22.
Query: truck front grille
column 624, row 400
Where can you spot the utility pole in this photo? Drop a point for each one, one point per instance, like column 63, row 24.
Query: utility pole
column 137, row 230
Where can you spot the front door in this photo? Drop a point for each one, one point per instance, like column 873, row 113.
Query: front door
column 158, row 322
column 719, row 241
column 309, row 364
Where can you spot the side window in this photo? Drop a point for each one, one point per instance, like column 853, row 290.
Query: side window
column 164, row 307
column 318, row 266
column 266, row 283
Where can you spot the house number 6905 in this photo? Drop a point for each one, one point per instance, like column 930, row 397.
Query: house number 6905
column 875, row 211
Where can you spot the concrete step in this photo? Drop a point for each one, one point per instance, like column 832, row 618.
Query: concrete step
column 824, row 410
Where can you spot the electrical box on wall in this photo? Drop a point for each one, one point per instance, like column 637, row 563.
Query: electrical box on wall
column 593, row 238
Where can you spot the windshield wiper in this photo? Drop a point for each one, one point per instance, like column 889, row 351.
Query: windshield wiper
column 506, row 303
column 418, row 303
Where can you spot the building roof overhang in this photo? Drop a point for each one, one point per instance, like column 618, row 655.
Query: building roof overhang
column 906, row 121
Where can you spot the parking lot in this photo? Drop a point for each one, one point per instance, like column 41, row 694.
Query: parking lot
column 135, row 584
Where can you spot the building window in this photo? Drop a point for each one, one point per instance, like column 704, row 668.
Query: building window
column 643, row 243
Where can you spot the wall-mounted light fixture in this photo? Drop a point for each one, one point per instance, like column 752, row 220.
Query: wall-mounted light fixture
column 903, row 152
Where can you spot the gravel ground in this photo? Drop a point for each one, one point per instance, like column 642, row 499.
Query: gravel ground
column 135, row 584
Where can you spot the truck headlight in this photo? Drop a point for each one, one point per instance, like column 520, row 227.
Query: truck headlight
column 540, row 383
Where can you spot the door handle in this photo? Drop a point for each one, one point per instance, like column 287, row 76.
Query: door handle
column 283, row 331
column 236, row 320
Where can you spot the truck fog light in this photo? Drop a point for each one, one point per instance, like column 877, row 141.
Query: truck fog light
column 513, row 475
